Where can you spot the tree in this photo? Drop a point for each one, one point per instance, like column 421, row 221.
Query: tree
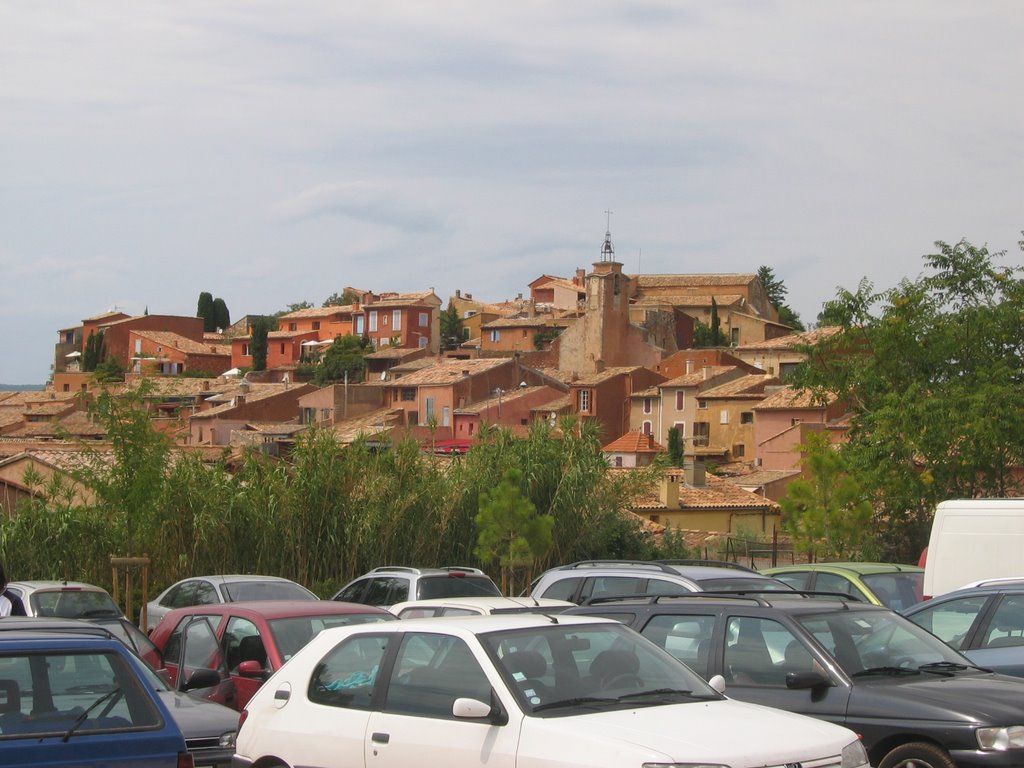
column 675, row 447
column 451, row 327
column 221, row 316
column 932, row 371
column 826, row 510
column 261, row 327
column 347, row 355
column 348, row 296
column 95, row 351
column 709, row 335
column 510, row 530
column 204, row 309
column 776, row 291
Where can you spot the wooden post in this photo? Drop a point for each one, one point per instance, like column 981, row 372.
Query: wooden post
column 129, row 565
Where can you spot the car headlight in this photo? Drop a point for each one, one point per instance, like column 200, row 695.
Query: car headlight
column 999, row 739
column 854, row 755
column 227, row 740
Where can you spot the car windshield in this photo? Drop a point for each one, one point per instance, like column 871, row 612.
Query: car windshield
column 896, row 590
column 456, row 585
column 292, row 633
column 239, row 591
column 572, row 669
column 73, row 603
column 868, row 641
column 741, row 583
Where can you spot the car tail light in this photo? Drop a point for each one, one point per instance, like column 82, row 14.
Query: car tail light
column 241, row 717
column 185, row 760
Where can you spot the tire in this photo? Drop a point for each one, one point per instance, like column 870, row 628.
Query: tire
column 917, row 754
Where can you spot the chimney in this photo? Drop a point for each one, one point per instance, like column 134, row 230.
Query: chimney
column 694, row 472
column 206, row 385
column 689, row 366
column 669, row 491
column 707, row 372
column 458, row 293
column 239, row 400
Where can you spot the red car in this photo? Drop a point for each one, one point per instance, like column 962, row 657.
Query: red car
column 231, row 648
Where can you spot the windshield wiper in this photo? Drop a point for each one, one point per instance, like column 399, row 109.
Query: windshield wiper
column 113, row 692
column 665, row 693
column 948, row 668
column 894, row 671
column 594, row 701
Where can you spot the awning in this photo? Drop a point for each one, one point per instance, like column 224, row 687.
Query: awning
column 73, row 354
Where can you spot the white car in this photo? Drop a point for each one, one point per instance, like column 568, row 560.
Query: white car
column 515, row 691
column 64, row 599
column 476, row 606
column 210, row 590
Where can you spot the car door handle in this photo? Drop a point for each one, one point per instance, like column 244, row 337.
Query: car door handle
column 381, row 738
column 282, row 694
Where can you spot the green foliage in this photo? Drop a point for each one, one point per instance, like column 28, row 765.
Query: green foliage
column 826, row 510
column 204, row 309
column 109, row 371
column 543, row 338
column 776, row 292
column 346, row 297
column 261, row 327
column 709, row 335
column 346, row 355
column 675, row 447
column 221, row 316
column 451, row 327
column 95, row 351
column 932, row 371
column 510, row 530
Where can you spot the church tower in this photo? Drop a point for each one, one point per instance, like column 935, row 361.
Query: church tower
column 607, row 313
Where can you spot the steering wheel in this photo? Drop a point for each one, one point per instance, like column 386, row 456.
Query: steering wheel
column 623, row 680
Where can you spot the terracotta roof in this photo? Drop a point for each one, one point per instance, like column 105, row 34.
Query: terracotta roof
column 50, row 408
column 761, row 477
column 698, row 377
column 744, row 386
column 634, row 442
column 27, row 397
column 103, row 316
column 540, row 321
column 256, row 392
column 402, row 300
column 180, row 343
column 787, row 398
column 65, row 460
column 288, row 334
column 377, row 422
column 715, row 494
column 795, row 339
column 649, row 392
column 558, row 404
column 178, row 386
column 5, row 395
column 695, row 281
column 687, row 300
column 11, row 417
column 395, row 353
column 591, row 379
column 276, row 427
column 78, row 424
column 314, row 312
column 445, row 371
column 507, row 396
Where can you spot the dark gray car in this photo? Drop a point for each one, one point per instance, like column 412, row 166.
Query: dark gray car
column 915, row 701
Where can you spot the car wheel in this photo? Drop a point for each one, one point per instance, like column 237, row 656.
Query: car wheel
column 917, row 754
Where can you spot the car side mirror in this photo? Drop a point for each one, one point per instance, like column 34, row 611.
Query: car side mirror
column 251, row 668
column 202, row 678
column 807, row 680
column 718, row 683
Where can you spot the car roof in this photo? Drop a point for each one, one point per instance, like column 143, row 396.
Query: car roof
column 483, row 603
column 479, row 625
column 43, row 585
column 861, row 569
column 791, row 603
column 279, row 609
column 235, row 577
column 52, row 624
column 698, row 572
column 31, row 638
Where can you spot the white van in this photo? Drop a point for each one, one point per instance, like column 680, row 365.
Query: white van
column 974, row 539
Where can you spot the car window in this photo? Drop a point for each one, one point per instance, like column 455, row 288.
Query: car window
column 459, row 612
column 265, row 590
column 347, row 674
column 688, row 638
column 762, row 652
column 47, row 693
column 242, row 642
column 73, row 604
column 205, row 594
column 353, row 593
column 455, row 586
column 951, row 620
column 293, row 633
column 795, row 579
column 656, row 586
column 612, row 586
column 832, row 582
column 172, row 648
column 897, row 590
column 430, row 673
column 180, row 596
column 562, row 589
column 418, row 613
column 1007, row 625
column 382, row 591
column 201, row 649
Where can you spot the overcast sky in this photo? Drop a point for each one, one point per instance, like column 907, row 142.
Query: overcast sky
column 276, row 152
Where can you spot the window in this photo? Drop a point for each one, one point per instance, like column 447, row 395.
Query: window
column 760, row 652
column 430, row 673
column 396, row 320
column 702, row 404
column 734, row 336
column 360, row 324
column 242, row 642
column 446, row 416
column 701, row 433
column 648, row 428
column 794, row 422
column 723, row 417
column 316, row 325
column 739, row 450
column 495, row 335
column 618, row 461
column 282, row 349
column 138, row 346
column 647, row 405
column 747, row 417
column 346, row 676
column 584, row 401
column 424, row 319
column 293, row 326
column 408, row 394
column 950, row 621
column 685, row 637
column 832, row 582
column 680, row 399
column 373, row 320
column 422, row 342
column 681, row 426
column 525, row 333
column 430, row 410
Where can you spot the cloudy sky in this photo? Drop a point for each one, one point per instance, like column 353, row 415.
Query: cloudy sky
column 276, row 152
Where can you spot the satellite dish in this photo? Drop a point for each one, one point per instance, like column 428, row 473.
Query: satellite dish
column 383, row 375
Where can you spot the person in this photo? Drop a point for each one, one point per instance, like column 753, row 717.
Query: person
column 6, row 606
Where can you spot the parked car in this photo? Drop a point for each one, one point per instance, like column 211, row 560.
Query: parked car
column 209, row 590
column 64, row 599
column 476, row 606
column 516, row 690
column 209, row 728
column 913, row 699
column 580, row 581
column 984, row 622
column 81, row 700
column 229, row 649
column 392, row 584
column 890, row 584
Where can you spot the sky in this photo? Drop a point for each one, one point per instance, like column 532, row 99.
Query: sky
column 271, row 153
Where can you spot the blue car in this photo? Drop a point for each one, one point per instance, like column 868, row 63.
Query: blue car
column 79, row 700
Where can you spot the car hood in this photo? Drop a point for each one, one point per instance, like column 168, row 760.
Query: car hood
column 696, row 732
column 966, row 697
column 198, row 718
